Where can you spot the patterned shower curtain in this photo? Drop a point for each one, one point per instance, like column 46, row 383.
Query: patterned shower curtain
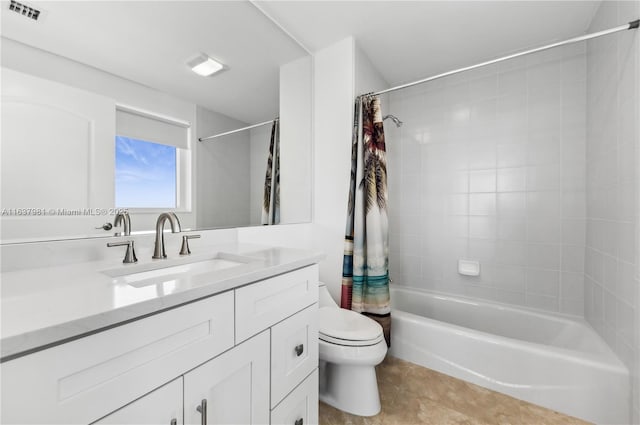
column 365, row 272
column 271, row 191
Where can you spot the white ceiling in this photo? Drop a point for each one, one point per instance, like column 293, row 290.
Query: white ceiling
column 150, row 41
column 410, row 40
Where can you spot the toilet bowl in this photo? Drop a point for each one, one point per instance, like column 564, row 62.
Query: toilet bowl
column 351, row 345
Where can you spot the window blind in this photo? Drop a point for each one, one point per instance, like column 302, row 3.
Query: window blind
column 142, row 126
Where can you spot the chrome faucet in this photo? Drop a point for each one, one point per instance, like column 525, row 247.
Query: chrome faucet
column 123, row 218
column 158, row 251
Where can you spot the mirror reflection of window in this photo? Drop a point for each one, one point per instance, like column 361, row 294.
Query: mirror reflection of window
column 148, row 152
column 145, row 174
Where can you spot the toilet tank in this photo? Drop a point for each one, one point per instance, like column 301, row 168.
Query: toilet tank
column 325, row 299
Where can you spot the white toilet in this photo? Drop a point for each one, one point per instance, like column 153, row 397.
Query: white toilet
column 351, row 345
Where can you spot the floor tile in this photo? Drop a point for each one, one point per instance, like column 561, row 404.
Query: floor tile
column 411, row 394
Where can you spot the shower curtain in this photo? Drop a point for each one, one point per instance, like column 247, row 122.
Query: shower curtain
column 365, row 271
column 271, row 191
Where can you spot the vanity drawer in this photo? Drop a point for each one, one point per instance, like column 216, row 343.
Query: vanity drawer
column 161, row 406
column 294, row 351
column 266, row 303
column 83, row 380
column 301, row 406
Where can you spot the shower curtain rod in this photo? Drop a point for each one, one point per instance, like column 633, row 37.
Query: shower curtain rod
column 226, row 133
column 630, row 25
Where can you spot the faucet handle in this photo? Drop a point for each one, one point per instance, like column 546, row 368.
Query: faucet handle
column 184, row 250
column 130, row 255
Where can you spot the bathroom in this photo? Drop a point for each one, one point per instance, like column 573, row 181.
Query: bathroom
column 524, row 170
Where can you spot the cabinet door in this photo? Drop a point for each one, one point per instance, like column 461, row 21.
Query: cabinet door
column 233, row 388
column 294, row 351
column 162, row 407
column 301, row 406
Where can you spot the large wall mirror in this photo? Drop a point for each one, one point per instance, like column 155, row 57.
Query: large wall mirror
column 102, row 112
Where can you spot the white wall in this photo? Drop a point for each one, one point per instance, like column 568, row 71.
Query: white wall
column 222, row 172
column 367, row 79
column 612, row 304
column 489, row 166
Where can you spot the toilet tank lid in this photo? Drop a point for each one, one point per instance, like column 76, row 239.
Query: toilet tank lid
column 348, row 325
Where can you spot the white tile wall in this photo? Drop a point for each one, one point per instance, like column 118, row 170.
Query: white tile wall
column 613, row 136
column 490, row 165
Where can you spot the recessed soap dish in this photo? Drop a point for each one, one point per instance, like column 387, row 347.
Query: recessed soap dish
column 469, row 267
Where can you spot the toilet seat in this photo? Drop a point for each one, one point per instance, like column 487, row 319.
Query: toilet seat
column 350, row 343
column 348, row 328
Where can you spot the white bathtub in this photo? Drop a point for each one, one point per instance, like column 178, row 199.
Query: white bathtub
column 552, row 361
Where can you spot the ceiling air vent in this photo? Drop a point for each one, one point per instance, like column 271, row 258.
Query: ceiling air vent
column 24, row 10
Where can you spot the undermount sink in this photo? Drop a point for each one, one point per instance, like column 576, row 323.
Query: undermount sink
column 139, row 275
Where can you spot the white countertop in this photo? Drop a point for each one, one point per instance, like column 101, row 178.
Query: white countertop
column 46, row 306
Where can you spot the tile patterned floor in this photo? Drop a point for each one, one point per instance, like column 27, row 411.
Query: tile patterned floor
column 412, row 394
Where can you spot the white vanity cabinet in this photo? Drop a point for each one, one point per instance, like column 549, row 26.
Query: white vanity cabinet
column 288, row 304
column 192, row 364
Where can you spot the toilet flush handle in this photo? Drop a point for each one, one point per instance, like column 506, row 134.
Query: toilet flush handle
column 299, row 350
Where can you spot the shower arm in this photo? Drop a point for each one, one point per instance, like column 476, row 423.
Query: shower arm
column 393, row 118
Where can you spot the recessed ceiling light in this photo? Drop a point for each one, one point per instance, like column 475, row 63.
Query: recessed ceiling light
column 205, row 66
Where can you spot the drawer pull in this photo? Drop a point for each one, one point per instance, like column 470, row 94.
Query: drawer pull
column 299, row 350
column 203, row 411
column 299, row 421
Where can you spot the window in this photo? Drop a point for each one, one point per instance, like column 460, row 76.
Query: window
column 152, row 161
column 145, row 174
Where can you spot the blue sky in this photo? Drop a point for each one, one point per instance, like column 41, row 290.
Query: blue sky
column 145, row 174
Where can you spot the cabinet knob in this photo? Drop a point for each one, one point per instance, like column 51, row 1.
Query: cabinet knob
column 203, row 411
column 299, row 350
column 299, row 421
